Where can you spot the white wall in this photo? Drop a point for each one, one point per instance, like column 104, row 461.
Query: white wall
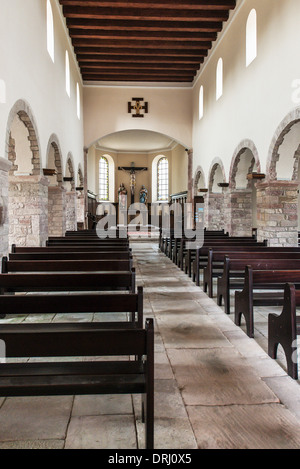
column 30, row 75
column 255, row 99
column 106, row 112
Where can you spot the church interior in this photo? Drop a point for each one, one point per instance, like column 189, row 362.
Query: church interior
column 149, row 224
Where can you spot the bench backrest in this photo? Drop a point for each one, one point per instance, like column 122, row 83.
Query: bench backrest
column 65, row 265
column 86, row 303
column 69, row 248
column 234, row 265
column 41, row 340
column 72, row 255
column 219, row 256
column 62, row 281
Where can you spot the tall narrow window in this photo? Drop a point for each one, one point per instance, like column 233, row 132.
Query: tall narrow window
column 78, row 101
column 68, row 80
column 163, row 179
column 251, row 37
column 103, row 179
column 50, row 31
column 2, row 92
column 219, row 79
column 201, row 103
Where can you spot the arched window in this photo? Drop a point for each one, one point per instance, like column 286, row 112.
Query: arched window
column 103, row 179
column 50, row 31
column 201, row 109
column 68, row 79
column 163, row 179
column 78, row 101
column 219, row 79
column 251, row 37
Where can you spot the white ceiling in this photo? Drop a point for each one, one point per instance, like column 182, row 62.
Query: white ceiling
column 136, row 141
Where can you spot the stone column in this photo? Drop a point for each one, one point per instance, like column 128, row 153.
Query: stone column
column 57, row 211
column 71, row 211
column 277, row 212
column 28, row 210
column 239, row 212
column 85, row 185
column 5, row 166
column 215, row 211
column 81, row 209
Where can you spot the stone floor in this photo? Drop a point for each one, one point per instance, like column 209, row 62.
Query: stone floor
column 215, row 388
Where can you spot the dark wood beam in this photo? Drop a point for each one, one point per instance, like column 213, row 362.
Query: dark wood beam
column 112, row 43
column 135, row 35
column 138, row 67
column 164, row 4
column 133, row 51
column 138, row 14
column 106, row 58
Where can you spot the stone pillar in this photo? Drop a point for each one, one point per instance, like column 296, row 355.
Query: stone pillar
column 81, row 209
column 57, row 211
column 71, row 211
column 215, row 211
column 277, row 212
column 28, row 210
column 238, row 220
column 5, row 166
column 85, row 185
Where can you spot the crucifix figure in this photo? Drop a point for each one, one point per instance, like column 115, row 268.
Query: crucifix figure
column 132, row 170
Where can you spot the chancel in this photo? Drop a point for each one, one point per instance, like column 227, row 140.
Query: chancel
column 149, row 335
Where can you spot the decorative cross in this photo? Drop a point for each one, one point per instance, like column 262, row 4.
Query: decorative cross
column 132, row 170
column 138, row 107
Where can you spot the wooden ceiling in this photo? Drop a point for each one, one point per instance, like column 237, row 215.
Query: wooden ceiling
column 143, row 40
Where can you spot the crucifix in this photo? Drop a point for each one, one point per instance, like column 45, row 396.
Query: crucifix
column 132, row 170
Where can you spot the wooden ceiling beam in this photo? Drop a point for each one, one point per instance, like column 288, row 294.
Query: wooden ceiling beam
column 113, row 43
column 139, row 25
column 107, row 58
column 127, row 51
column 146, row 14
column 146, row 78
column 138, row 66
column 164, row 4
column 135, row 35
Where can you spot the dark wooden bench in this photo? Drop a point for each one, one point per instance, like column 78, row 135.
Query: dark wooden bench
column 67, row 281
column 86, row 265
column 72, row 255
column 201, row 256
column 270, row 276
column 91, row 376
column 233, row 276
column 284, row 328
column 215, row 261
column 69, row 248
column 130, row 304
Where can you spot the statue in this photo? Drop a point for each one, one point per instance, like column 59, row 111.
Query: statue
column 122, row 192
column 143, row 195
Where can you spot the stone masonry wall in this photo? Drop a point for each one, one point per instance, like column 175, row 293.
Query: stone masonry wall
column 4, row 226
column 277, row 214
column 215, row 211
column 57, row 211
column 238, row 212
column 28, row 210
column 71, row 211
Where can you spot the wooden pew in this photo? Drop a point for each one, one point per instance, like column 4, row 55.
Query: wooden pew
column 130, row 304
column 283, row 329
column 67, row 377
column 201, row 258
column 215, row 261
column 67, row 281
column 233, row 276
column 72, row 255
column 264, row 275
column 69, row 248
column 70, row 265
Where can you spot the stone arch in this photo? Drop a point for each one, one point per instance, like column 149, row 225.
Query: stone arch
column 198, row 179
column 22, row 110
column 54, row 158
column 216, row 169
column 238, row 153
column 70, row 171
column 282, row 130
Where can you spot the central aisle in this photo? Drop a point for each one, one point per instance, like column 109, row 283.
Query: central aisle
column 215, row 387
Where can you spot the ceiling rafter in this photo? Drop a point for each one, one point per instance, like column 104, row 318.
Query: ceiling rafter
column 142, row 40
